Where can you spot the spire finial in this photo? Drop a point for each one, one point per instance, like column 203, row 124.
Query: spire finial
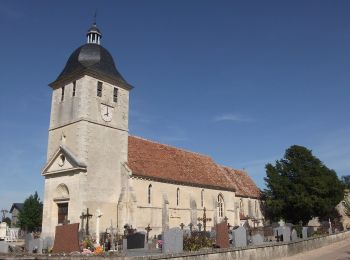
column 94, row 35
column 95, row 15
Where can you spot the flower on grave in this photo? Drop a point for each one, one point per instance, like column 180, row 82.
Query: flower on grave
column 98, row 250
column 86, row 251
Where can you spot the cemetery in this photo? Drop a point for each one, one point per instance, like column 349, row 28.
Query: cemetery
column 75, row 240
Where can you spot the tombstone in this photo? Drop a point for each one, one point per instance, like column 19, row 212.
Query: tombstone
column 47, row 243
column 3, row 230
column 286, row 234
column 294, row 235
column 66, row 239
column 257, row 239
column 125, row 244
column 136, row 240
column 239, row 237
column 222, row 239
column 304, row 232
column 29, row 242
column 4, row 247
column 173, row 241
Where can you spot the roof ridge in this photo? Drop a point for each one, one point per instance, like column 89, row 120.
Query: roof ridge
column 174, row 147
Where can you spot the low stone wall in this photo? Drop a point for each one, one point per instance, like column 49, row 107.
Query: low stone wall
column 264, row 252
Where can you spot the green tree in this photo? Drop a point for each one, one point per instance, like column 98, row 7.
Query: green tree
column 300, row 186
column 30, row 217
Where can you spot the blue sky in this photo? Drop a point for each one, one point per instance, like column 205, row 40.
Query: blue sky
column 240, row 81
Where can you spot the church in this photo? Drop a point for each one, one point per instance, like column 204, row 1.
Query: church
column 94, row 165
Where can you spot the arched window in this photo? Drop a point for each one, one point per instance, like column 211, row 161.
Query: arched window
column 149, row 193
column 256, row 209
column 177, row 196
column 202, row 198
column 220, row 206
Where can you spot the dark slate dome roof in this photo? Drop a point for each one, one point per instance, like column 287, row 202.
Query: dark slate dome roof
column 92, row 59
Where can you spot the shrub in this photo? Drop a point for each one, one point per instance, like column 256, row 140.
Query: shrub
column 196, row 242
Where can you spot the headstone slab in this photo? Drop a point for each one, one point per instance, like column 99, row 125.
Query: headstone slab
column 222, row 239
column 28, row 242
column 294, row 235
column 239, row 237
column 4, row 247
column 173, row 241
column 257, row 239
column 3, row 230
column 66, row 239
column 304, row 232
column 136, row 240
column 286, row 234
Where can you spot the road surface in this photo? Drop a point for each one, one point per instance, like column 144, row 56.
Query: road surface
column 335, row 251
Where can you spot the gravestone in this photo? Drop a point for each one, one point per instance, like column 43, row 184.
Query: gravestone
column 66, row 239
column 125, row 244
column 173, row 241
column 4, row 247
column 222, row 239
column 136, row 240
column 294, row 235
column 28, row 242
column 257, row 239
column 286, row 234
column 304, row 232
column 239, row 237
column 3, row 230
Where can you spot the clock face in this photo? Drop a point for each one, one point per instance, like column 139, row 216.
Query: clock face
column 106, row 112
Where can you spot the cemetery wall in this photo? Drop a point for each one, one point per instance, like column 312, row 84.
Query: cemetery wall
column 263, row 252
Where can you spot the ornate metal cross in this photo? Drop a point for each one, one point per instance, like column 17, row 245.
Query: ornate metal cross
column 182, row 225
column 204, row 219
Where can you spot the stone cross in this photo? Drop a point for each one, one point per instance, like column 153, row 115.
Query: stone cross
column 98, row 216
column 112, row 229
column 87, row 216
column 182, row 225
column 148, row 229
column 191, row 226
column 204, row 219
column 281, row 223
column 199, row 227
column 82, row 217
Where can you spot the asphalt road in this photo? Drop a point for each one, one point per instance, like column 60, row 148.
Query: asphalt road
column 335, row 251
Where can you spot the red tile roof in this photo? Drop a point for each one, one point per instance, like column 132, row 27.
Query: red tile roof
column 148, row 159
column 245, row 186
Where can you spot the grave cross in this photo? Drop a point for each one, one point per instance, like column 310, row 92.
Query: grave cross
column 182, row 225
column 204, row 219
column 148, row 229
column 112, row 229
column 191, row 226
column 87, row 216
column 199, row 227
column 225, row 218
column 82, row 217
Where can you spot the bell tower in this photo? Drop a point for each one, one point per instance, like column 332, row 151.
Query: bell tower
column 88, row 138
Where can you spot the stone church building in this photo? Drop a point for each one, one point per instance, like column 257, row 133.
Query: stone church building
column 93, row 163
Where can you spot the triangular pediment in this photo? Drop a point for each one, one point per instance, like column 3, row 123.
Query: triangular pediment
column 63, row 161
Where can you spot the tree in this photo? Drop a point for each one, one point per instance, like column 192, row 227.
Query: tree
column 30, row 217
column 300, row 187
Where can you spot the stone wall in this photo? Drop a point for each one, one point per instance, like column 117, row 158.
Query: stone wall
column 263, row 252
